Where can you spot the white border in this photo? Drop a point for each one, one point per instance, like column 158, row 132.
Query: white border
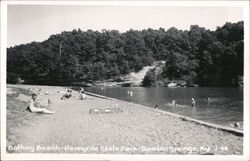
column 7, row 156
column 3, row 74
column 246, row 81
column 235, row 3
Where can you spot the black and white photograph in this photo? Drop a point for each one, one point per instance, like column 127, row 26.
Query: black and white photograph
column 125, row 80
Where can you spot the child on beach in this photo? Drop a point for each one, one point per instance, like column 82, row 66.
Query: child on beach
column 35, row 108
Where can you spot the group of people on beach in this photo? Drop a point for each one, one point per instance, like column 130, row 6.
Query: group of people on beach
column 34, row 106
column 68, row 94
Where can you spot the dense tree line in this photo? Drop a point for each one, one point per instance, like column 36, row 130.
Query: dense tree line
column 201, row 56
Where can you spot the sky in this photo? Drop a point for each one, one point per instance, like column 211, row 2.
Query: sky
column 27, row 23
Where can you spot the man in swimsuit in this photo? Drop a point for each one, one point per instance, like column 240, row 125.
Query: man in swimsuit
column 33, row 106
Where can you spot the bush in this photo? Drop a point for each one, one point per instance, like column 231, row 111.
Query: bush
column 12, row 78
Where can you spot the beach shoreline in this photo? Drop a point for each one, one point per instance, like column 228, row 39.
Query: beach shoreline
column 136, row 129
column 237, row 132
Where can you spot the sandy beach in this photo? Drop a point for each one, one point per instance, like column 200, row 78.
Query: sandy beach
column 132, row 129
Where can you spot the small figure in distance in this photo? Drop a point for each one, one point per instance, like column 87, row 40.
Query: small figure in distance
column 236, row 124
column 173, row 102
column 82, row 90
column 82, row 94
column 39, row 91
column 35, row 108
column 49, row 102
column 156, row 107
column 208, row 100
column 193, row 102
column 68, row 94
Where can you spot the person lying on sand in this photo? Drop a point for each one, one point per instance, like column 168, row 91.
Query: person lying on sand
column 36, row 108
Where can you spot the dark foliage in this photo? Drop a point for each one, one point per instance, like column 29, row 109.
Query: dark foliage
column 204, row 57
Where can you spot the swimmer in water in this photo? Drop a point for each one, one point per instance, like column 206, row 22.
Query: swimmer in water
column 173, row 103
column 236, row 124
column 156, row 107
column 193, row 102
column 209, row 100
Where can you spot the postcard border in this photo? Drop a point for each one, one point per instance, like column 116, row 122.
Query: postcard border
column 39, row 156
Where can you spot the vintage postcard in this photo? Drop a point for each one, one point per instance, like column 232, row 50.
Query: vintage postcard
column 125, row 80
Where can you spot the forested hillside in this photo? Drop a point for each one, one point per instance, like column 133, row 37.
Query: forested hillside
column 200, row 56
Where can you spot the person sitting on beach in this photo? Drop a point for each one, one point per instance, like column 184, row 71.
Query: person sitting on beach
column 82, row 90
column 68, row 94
column 193, row 102
column 35, row 107
column 82, row 94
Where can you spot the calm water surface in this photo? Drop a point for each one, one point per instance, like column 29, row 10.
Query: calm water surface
column 225, row 105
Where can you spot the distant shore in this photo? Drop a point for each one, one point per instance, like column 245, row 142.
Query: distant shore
column 107, row 126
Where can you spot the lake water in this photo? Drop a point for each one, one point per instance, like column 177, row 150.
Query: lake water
column 224, row 108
